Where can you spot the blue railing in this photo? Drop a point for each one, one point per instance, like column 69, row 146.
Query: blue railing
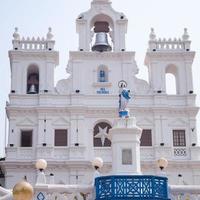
column 131, row 187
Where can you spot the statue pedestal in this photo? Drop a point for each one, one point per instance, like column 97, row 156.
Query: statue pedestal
column 125, row 137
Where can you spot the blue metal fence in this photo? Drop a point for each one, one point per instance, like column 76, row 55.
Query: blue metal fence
column 131, row 187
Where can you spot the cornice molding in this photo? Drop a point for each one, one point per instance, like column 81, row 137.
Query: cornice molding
column 85, row 109
column 81, row 55
column 19, row 165
column 160, row 56
column 52, row 56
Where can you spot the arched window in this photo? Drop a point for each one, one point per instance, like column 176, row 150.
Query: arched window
column 102, row 74
column 171, row 80
column 100, row 134
column 32, row 80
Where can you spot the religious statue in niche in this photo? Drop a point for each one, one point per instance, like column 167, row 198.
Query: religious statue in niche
column 102, row 76
column 124, row 97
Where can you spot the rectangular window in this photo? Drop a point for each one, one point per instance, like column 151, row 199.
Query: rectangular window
column 127, row 157
column 26, row 138
column 146, row 138
column 179, row 138
column 61, row 137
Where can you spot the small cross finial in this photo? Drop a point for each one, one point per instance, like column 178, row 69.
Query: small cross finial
column 16, row 35
column 152, row 35
column 49, row 34
column 185, row 36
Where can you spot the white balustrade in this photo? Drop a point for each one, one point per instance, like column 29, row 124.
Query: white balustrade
column 27, row 44
column 172, row 45
column 56, row 192
column 61, row 153
column 57, row 153
column 184, row 192
column 64, row 192
column 86, row 192
column 33, row 44
column 147, row 153
column 169, row 44
column 24, row 153
column 180, row 152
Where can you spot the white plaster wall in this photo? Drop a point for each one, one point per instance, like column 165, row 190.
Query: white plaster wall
column 160, row 112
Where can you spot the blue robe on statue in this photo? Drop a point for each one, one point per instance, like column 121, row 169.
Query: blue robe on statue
column 124, row 99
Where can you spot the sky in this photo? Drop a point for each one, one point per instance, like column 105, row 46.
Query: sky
column 33, row 17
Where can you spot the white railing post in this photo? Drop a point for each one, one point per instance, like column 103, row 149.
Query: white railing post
column 184, row 192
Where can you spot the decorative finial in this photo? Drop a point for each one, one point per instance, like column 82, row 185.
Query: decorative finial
column 49, row 34
column 185, row 36
column 23, row 190
column 16, row 35
column 152, row 35
column 124, row 97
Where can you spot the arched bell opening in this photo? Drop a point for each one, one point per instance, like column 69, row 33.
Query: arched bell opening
column 32, row 80
column 101, row 33
column 171, row 78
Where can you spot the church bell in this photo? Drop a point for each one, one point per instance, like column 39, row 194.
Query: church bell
column 101, row 42
column 32, row 89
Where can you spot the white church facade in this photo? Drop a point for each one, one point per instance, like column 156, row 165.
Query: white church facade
column 68, row 124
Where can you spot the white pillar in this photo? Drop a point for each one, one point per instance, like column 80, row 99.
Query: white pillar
column 41, row 178
column 125, row 137
column 51, row 180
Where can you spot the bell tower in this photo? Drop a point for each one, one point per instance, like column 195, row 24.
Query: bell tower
column 171, row 56
column 32, row 62
column 101, row 28
column 101, row 55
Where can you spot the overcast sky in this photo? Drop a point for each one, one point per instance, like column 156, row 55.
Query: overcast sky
column 33, row 17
